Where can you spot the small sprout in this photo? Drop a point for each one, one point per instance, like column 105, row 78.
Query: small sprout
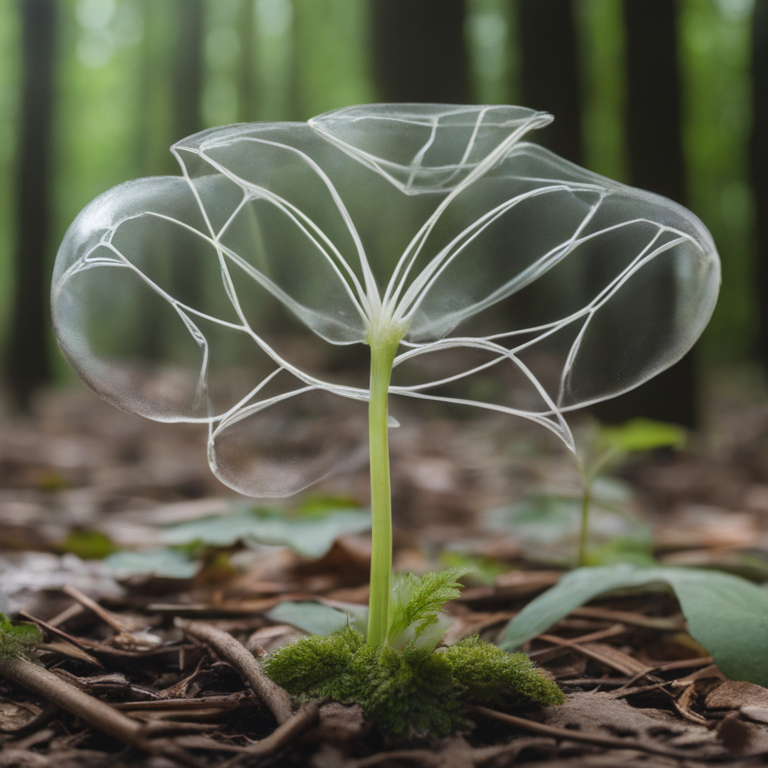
column 606, row 446
column 406, row 687
column 415, row 618
column 17, row 640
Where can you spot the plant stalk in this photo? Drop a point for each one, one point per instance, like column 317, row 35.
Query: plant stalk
column 382, row 357
column 586, row 501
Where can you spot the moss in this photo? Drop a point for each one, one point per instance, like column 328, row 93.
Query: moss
column 17, row 640
column 414, row 691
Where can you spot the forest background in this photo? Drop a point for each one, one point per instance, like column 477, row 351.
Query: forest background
column 668, row 95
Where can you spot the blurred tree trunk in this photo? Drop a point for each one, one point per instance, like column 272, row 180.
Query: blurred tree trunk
column 27, row 364
column 297, row 107
column 656, row 163
column 246, row 66
column 153, row 131
column 188, row 69
column 759, row 166
column 419, row 54
column 549, row 72
column 187, row 114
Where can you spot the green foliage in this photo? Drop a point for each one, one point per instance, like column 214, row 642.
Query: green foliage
column 311, row 534
column 317, row 618
column 409, row 692
column 18, row 640
column 88, row 544
column 478, row 568
column 642, row 435
column 547, row 523
column 171, row 563
column 726, row 614
column 414, row 616
column 415, row 605
column 604, row 446
column 491, row 676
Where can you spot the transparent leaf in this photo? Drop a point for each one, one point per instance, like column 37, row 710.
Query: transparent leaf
column 521, row 283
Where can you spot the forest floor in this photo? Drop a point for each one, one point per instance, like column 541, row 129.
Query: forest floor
column 157, row 654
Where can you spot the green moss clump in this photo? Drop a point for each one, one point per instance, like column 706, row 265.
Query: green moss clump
column 411, row 692
column 17, row 640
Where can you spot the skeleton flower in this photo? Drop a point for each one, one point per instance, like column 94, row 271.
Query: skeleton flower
column 431, row 233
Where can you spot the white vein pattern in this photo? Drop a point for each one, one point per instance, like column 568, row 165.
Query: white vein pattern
column 425, row 218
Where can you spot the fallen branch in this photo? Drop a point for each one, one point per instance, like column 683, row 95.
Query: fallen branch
column 283, row 735
column 93, row 711
column 278, row 701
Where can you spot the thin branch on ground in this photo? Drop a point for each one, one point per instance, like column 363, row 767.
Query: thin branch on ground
column 93, row 711
column 281, row 737
column 278, row 700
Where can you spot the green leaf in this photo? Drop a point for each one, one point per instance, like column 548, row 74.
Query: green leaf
column 416, row 604
column 311, row 536
column 166, row 563
column 322, row 505
column 726, row 614
column 643, row 435
column 317, row 618
column 17, row 640
column 88, row 544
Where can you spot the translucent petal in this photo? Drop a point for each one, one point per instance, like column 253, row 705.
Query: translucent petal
column 295, row 442
column 282, row 222
column 473, row 372
column 538, row 247
column 528, row 285
column 144, row 310
column 535, row 218
column 425, row 148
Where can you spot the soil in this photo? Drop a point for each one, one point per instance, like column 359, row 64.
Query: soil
column 167, row 664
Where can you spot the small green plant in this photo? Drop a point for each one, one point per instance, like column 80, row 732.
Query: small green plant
column 405, row 686
column 607, row 446
column 17, row 639
column 430, row 234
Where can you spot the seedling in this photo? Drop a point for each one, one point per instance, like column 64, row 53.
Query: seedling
column 403, row 685
column 606, row 446
column 430, row 233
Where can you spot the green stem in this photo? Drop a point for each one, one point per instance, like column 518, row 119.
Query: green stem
column 585, row 503
column 382, row 357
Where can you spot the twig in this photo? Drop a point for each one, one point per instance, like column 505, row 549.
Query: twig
column 278, row 700
column 22, row 758
column 87, row 602
column 566, row 734
column 93, row 711
column 284, row 734
column 544, row 654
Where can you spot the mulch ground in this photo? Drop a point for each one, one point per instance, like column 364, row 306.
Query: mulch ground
column 163, row 671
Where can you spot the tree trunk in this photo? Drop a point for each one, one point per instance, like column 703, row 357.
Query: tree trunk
column 656, row 163
column 246, row 66
column 27, row 363
column 419, row 54
column 549, row 72
column 759, row 166
column 188, row 69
